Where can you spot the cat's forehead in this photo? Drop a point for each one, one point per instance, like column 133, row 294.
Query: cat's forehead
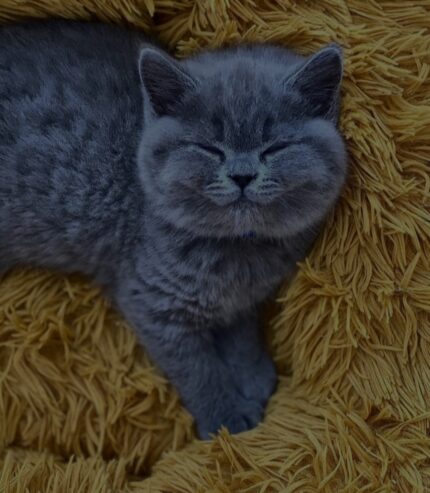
column 243, row 84
column 241, row 107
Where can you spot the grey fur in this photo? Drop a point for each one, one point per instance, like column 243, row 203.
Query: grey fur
column 149, row 199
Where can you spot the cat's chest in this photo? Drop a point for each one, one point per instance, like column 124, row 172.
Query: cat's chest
column 218, row 279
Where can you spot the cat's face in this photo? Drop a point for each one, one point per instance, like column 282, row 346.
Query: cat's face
column 242, row 142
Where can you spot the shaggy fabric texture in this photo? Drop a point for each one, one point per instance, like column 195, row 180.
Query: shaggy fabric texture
column 83, row 409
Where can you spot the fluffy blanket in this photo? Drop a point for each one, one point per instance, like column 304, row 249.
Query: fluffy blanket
column 82, row 409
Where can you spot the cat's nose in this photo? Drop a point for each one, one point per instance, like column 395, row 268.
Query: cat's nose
column 242, row 181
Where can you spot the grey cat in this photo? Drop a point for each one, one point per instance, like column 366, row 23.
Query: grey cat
column 189, row 190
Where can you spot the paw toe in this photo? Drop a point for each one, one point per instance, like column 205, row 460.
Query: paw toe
column 235, row 420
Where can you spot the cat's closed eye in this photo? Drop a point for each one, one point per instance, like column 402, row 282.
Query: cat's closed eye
column 274, row 149
column 210, row 150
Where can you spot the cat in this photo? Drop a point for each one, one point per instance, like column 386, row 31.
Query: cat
column 188, row 189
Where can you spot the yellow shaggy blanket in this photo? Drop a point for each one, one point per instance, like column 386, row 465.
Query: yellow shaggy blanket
column 82, row 409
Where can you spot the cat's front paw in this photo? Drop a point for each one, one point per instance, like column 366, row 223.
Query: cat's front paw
column 234, row 412
column 256, row 379
column 237, row 400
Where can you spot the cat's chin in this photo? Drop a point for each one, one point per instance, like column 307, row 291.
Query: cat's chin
column 239, row 201
column 243, row 203
column 241, row 218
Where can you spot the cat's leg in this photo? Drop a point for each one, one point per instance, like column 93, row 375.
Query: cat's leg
column 242, row 348
column 218, row 384
column 4, row 267
column 207, row 384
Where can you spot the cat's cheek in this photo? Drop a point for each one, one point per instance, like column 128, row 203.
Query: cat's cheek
column 298, row 167
column 169, row 172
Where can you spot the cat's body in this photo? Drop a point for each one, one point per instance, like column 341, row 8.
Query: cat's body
column 64, row 157
column 87, row 184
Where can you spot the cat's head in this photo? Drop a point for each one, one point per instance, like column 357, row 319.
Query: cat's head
column 242, row 141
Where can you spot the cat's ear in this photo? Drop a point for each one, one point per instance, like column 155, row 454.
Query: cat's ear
column 163, row 79
column 319, row 79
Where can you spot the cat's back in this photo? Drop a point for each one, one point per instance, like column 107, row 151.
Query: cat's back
column 38, row 50
column 67, row 90
column 70, row 114
column 54, row 72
